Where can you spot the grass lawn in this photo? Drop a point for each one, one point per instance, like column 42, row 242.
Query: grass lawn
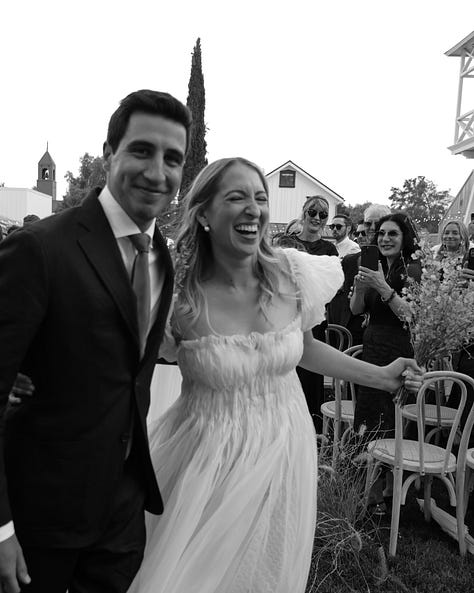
column 427, row 561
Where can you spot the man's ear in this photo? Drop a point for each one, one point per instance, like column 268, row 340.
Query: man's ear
column 107, row 154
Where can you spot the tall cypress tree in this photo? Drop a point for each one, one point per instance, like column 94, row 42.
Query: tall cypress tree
column 196, row 159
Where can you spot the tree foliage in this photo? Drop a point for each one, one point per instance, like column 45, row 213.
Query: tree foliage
column 91, row 175
column 196, row 158
column 355, row 213
column 420, row 198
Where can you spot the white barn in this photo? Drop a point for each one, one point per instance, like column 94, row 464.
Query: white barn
column 17, row 202
column 288, row 186
column 462, row 207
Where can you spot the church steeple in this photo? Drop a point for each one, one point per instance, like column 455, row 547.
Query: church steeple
column 46, row 182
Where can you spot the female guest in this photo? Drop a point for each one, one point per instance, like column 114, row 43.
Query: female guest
column 454, row 241
column 385, row 338
column 236, row 454
column 314, row 217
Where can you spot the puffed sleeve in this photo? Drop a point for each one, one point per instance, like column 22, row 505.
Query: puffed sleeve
column 318, row 278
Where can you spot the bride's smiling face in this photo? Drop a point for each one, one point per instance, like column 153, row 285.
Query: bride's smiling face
column 238, row 214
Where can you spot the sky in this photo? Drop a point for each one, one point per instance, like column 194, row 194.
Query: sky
column 359, row 94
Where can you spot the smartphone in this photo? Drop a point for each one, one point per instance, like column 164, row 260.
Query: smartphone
column 369, row 257
column 470, row 259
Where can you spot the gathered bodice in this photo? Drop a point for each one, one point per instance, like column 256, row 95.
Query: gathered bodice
column 239, row 374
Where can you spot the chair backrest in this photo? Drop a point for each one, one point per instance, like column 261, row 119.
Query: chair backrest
column 430, row 381
column 343, row 336
column 355, row 352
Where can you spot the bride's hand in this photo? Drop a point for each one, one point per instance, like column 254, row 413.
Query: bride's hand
column 404, row 372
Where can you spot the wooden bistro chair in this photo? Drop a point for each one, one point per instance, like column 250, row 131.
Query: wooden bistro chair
column 420, row 459
column 343, row 340
column 437, row 415
column 341, row 409
column 464, row 478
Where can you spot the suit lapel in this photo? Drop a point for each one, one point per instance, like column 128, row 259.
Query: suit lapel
column 99, row 245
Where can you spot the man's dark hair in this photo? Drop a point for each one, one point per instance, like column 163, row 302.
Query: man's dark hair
column 153, row 103
column 30, row 218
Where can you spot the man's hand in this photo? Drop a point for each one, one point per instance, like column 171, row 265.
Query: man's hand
column 23, row 387
column 12, row 566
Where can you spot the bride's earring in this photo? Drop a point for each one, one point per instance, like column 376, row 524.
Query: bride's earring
column 207, row 228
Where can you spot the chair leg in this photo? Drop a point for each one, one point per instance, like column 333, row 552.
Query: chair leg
column 468, row 488
column 397, row 498
column 464, row 486
column 325, row 425
column 427, row 497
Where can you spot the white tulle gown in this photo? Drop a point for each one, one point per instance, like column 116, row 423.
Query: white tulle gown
column 235, row 458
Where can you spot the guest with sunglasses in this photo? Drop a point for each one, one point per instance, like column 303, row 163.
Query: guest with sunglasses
column 360, row 235
column 341, row 227
column 378, row 292
column 313, row 219
column 309, row 238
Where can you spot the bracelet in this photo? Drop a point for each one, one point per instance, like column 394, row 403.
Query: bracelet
column 387, row 300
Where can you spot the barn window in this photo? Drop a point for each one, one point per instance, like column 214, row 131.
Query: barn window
column 287, row 178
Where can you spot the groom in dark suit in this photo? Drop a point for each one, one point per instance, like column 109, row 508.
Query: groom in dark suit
column 84, row 298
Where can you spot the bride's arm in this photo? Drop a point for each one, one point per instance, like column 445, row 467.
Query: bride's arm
column 319, row 357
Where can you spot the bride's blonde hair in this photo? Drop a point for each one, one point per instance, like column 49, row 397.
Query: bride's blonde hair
column 194, row 251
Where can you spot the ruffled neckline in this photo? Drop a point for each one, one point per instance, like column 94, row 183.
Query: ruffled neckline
column 252, row 337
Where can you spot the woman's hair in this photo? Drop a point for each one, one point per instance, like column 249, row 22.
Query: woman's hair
column 377, row 210
column 410, row 244
column 293, row 227
column 464, row 234
column 194, row 249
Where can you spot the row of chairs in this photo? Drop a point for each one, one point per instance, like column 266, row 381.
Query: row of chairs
column 414, row 460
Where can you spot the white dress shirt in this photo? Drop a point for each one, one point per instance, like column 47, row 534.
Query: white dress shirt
column 346, row 247
column 123, row 226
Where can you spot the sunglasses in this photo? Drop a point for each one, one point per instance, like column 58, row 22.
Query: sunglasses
column 338, row 227
column 360, row 234
column 312, row 213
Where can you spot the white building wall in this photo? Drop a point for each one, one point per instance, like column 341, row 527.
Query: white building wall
column 16, row 203
column 286, row 202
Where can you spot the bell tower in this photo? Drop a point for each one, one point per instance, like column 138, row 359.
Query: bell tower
column 46, row 182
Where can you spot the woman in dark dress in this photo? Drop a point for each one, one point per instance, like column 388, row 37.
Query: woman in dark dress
column 385, row 338
column 313, row 220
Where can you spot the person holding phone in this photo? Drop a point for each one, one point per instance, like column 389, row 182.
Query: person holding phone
column 383, row 273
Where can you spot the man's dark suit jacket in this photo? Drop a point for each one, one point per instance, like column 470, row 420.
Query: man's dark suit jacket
column 338, row 310
column 68, row 320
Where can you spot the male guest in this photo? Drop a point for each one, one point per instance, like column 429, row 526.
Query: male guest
column 30, row 219
column 360, row 236
column 84, row 297
column 341, row 227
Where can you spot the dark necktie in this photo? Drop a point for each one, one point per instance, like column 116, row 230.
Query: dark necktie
column 141, row 284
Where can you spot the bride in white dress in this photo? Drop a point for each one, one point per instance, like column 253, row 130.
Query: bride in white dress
column 235, row 455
